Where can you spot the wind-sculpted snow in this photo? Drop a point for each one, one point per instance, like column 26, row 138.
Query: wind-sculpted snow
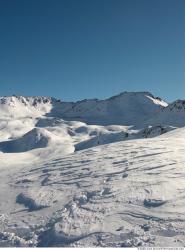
column 127, row 193
column 36, row 138
column 106, row 173
column 102, row 138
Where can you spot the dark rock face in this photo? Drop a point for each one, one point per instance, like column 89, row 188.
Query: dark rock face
column 178, row 105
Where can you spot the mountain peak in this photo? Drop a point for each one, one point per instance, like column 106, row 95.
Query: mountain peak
column 178, row 105
column 136, row 94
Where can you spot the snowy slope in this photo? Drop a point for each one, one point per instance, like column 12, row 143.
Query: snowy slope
column 92, row 173
column 127, row 108
column 122, row 194
column 23, row 121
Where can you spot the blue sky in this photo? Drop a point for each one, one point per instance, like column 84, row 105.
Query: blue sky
column 76, row 49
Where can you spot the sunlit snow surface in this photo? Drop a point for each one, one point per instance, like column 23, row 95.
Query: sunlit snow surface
column 97, row 197
column 66, row 183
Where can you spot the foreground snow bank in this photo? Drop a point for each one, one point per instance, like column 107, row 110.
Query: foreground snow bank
column 128, row 193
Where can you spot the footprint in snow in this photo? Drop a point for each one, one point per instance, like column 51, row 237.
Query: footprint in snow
column 153, row 202
column 125, row 175
column 105, row 191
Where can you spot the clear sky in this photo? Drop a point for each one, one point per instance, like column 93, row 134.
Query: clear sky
column 76, row 49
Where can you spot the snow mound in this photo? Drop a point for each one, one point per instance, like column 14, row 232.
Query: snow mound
column 28, row 202
column 101, row 139
column 178, row 133
column 14, row 128
column 153, row 131
column 36, row 138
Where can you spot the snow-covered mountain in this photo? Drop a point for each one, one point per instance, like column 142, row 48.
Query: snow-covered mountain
column 173, row 114
column 83, row 124
column 93, row 172
column 127, row 108
column 20, row 106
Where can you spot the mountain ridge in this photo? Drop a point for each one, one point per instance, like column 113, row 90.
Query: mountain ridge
column 113, row 110
column 51, row 98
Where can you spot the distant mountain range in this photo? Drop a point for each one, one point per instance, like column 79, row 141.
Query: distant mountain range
column 136, row 109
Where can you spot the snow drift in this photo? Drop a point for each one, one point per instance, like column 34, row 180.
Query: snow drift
column 36, row 138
